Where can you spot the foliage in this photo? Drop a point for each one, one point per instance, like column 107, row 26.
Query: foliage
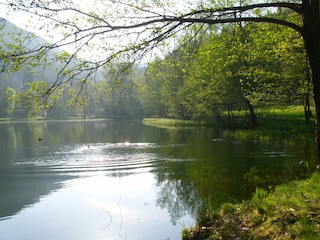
column 31, row 99
column 238, row 65
column 267, row 75
column 212, row 88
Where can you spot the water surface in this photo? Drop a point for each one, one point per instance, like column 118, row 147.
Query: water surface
column 108, row 179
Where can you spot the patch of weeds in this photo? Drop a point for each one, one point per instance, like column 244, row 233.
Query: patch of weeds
column 206, row 214
column 186, row 234
column 259, row 201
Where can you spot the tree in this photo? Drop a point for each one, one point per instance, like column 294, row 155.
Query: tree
column 169, row 74
column 119, row 91
column 139, row 26
column 214, row 88
column 271, row 72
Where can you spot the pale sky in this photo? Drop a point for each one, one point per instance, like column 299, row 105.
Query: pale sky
column 110, row 12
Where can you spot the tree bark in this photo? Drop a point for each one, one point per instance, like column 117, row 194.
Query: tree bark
column 311, row 34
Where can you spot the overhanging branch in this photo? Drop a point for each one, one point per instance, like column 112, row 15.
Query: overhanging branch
column 292, row 6
column 240, row 19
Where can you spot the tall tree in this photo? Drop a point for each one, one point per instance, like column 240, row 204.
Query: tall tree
column 118, row 89
column 169, row 73
column 212, row 86
column 139, row 26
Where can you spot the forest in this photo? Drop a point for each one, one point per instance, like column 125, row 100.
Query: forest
column 230, row 68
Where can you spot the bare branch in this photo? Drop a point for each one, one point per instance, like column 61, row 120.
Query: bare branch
column 293, row 6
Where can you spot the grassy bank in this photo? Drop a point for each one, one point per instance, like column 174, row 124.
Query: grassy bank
column 292, row 211
column 174, row 123
column 286, row 121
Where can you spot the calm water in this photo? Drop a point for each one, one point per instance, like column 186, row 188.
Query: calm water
column 122, row 180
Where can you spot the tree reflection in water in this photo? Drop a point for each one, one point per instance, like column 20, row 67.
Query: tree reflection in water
column 179, row 197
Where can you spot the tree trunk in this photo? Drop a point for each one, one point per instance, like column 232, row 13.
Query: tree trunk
column 253, row 118
column 307, row 111
column 316, row 98
column 311, row 35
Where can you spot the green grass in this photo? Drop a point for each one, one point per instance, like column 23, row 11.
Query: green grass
column 174, row 123
column 287, row 122
column 292, row 211
column 282, row 111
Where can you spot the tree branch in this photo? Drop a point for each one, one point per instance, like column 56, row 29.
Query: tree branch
column 240, row 19
column 296, row 7
column 148, row 27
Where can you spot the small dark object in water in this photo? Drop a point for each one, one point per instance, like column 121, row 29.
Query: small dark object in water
column 40, row 139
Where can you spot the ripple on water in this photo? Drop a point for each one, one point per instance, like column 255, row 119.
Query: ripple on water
column 84, row 159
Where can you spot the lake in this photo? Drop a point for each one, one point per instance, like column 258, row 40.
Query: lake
column 107, row 179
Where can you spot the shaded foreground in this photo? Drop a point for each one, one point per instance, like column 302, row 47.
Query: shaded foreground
column 292, row 211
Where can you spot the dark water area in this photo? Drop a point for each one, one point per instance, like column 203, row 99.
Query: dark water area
column 105, row 179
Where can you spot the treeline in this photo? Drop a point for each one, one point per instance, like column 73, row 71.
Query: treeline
column 223, row 69
column 239, row 66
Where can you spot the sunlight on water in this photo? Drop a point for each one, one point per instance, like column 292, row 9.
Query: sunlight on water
column 91, row 158
column 112, row 194
column 111, row 208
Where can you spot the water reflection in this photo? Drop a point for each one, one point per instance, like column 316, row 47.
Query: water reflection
column 123, row 180
column 24, row 186
column 179, row 197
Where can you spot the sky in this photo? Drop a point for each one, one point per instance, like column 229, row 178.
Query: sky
column 21, row 19
column 113, row 41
